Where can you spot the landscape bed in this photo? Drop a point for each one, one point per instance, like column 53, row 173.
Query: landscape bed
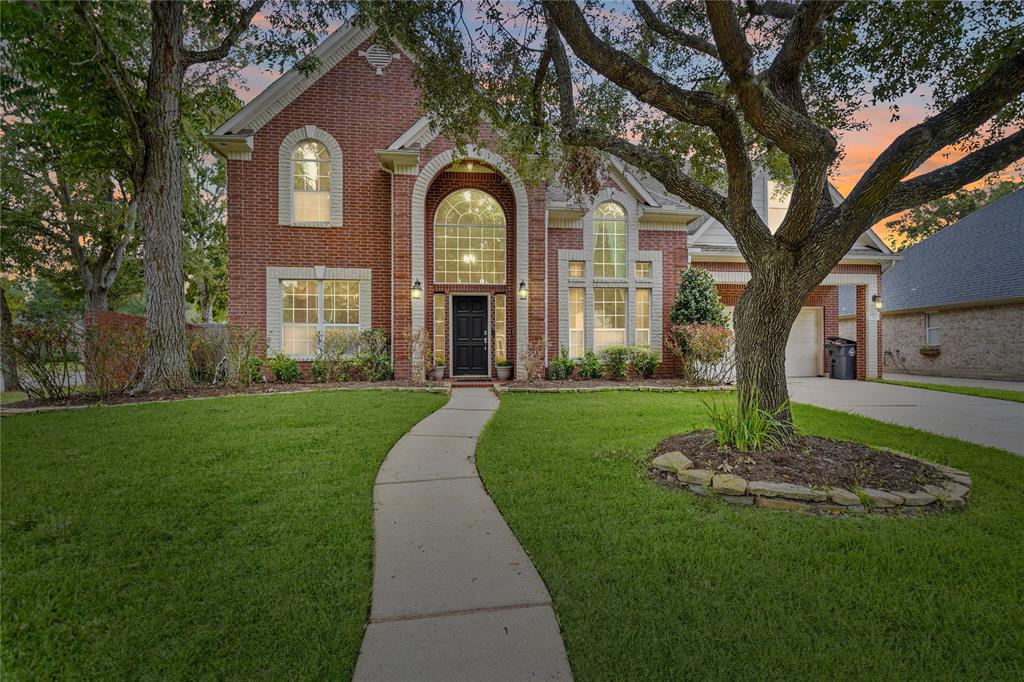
column 654, row 584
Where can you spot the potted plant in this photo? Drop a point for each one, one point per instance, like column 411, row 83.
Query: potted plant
column 929, row 351
column 437, row 372
column 504, row 366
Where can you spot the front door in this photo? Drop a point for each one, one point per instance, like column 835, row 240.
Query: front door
column 469, row 335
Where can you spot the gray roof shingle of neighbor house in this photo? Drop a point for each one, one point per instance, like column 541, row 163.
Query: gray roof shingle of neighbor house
column 979, row 259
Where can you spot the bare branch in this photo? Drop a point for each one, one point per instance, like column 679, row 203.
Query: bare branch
column 221, row 51
column 682, row 38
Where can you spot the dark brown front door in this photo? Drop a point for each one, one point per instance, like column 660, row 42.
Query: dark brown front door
column 469, row 335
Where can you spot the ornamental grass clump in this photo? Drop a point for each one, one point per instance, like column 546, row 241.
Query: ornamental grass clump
column 744, row 425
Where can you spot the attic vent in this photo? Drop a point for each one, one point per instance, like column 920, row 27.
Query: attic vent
column 378, row 58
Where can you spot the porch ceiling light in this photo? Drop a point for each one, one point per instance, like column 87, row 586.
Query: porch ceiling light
column 417, row 290
column 877, row 300
column 522, row 290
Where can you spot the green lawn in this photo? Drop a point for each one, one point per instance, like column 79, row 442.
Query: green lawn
column 997, row 393
column 11, row 397
column 212, row 539
column 657, row 585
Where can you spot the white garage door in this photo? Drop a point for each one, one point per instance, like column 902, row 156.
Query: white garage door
column 804, row 349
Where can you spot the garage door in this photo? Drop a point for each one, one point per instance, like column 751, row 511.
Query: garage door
column 804, row 350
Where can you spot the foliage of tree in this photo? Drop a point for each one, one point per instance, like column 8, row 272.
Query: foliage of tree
column 925, row 220
column 703, row 95
column 697, row 299
column 144, row 67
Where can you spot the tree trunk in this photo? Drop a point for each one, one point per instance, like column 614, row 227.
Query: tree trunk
column 8, row 364
column 764, row 316
column 96, row 299
column 160, row 206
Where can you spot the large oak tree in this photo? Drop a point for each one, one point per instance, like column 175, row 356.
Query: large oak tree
column 703, row 95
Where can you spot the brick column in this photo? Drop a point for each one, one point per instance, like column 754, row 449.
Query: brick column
column 401, row 276
column 862, row 332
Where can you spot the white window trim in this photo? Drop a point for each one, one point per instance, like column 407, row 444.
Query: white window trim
column 929, row 328
column 630, row 282
column 286, row 180
column 320, row 273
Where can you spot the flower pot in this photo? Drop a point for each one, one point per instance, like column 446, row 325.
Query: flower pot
column 504, row 373
column 437, row 373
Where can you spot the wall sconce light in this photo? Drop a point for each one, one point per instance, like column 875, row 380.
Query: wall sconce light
column 417, row 290
column 877, row 300
column 522, row 290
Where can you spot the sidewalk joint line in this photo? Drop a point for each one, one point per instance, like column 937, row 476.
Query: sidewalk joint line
column 461, row 612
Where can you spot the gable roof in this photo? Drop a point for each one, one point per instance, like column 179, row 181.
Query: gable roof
column 286, row 88
column 979, row 259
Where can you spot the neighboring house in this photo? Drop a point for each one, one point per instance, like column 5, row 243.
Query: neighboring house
column 961, row 293
column 346, row 211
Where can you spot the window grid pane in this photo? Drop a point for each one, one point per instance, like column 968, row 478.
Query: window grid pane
column 439, row 327
column 341, row 302
column 609, row 318
column 576, row 305
column 609, row 241
column 500, row 348
column 577, row 268
column 643, row 317
column 312, row 207
column 642, row 270
column 299, row 316
column 469, row 239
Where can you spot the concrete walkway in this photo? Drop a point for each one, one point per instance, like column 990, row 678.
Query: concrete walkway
column 455, row 597
column 957, row 381
column 997, row 423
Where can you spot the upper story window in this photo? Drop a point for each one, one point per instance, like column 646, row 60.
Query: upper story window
column 469, row 239
column 309, row 179
column 311, row 173
column 609, row 240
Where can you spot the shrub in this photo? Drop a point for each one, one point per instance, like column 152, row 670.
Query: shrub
column 113, row 356
column 250, row 371
column 374, row 355
column 591, row 366
column 334, row 353
column 562, row 367
column 46, row 354
column 241, row 365
column 644, row 361
column 617, row 362
column 744, row 425
column 503, row 362
column 697, row 300
column 284, row 368
column 205, row 355
column 705, row 352
column 535, row 359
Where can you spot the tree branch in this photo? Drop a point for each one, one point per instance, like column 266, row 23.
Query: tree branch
column 771, row 8
column 915, row 146
column 662, row 27
column 695, row 107
column 805, row 35
column 221, row 51
column 943, row 181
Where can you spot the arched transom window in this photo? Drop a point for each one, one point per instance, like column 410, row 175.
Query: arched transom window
column 311, row 172
column 469, row 239
column 609, row 240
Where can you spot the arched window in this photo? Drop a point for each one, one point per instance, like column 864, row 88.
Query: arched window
column 311, row 188
column 609, row 240
column 469, row 239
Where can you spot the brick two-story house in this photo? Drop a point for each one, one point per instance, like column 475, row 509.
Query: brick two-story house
column 346, row 211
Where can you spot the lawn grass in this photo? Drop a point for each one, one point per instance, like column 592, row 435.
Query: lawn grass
column 656, row 585
column 978, row 391
column 214, row 539
column 12, row 397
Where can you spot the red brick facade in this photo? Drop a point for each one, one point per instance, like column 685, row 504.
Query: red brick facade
column 366, row 111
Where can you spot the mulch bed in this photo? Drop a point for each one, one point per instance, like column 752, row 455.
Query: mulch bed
column 207, row 391
column 602, row 383
column 808, row 460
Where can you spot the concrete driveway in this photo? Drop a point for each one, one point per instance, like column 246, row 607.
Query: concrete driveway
column 997, row 423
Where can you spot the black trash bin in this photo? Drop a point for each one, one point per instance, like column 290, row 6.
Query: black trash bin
column 842, row 357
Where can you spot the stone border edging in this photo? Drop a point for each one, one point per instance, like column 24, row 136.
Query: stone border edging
column 951, row 494
column 12, row 411
column 498, row 388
